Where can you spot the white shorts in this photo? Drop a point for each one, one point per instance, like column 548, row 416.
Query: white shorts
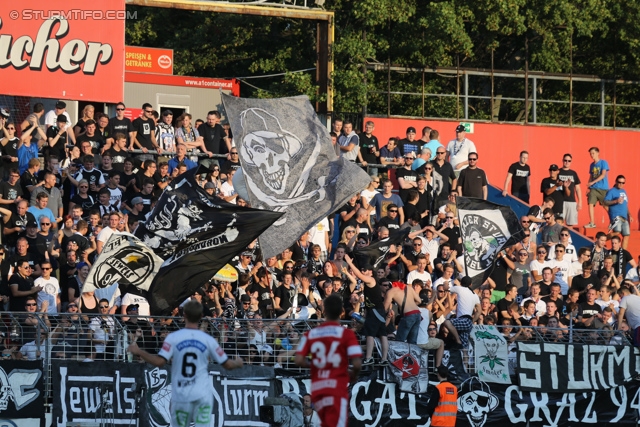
column 197, row 412
column 570, row 213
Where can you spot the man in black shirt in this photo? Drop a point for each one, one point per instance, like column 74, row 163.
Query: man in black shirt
column 502, row 306
column 555, row 296
column 554, row 188
column 58, row 137
column 17, row 224
column 472, row 181
column 10, row 190
column 144, row 133
column 215, row 138
column 519, row 174
column 443, row 171
column 118, row 152
column 407, row 178
column 96, row 140
column 570, row 208
column 589, row 310
column 369, row 148
column 120, row 124
column 585, row 281
column 21, row 286
column 409, row 144
column 52, row 165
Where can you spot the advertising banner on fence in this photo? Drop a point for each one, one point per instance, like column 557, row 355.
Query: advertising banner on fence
column 148, row 60
column 83, row 392
column 21, row 389
column 573, row 368
column 63, row 49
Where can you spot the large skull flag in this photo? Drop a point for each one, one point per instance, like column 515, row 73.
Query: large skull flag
column 289, row 165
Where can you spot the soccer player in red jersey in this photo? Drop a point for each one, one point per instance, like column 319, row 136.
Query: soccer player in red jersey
column 331, row 346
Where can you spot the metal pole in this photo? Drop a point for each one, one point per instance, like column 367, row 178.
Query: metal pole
column 535, row 99
column 602, row 104
column 364, row 79
column 466, row 96
column 571, row 79
column 458, row 87
column 526, row 79
column 389, row 86
column 491, row 85
column 423, row 93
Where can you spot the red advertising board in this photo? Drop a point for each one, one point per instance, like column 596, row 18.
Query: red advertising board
column 67, row 49
column 232, row 85
column 148, row 60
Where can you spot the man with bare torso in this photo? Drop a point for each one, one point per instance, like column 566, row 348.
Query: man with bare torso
column 407, row 301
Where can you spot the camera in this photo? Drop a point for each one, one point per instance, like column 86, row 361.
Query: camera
column 284, row 411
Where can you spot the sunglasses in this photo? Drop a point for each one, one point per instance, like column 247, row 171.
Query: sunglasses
column 525, row 222
column 31, row 304
column 432, row 329
column 567, row 160
column 547, row 217
column 234, row 154
column 440, row 152
column 564, row 234
column 376, row 182
column 541, row 252
column 527, row 235
column 472, row 159
column 72, row 306
column 246, row 303
column 148, row 111
column 351, row 231
column 450, row 217
column 45, row 223
column 523, row 254
column 119, row 109
column 417, row 244
column 620, row 182
column 393, row 211
column 47, row 269
column 104, row 306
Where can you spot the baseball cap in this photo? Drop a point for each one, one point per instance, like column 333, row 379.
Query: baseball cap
column 137, row 200
column 167, row 113
column 61, row 104
column 61, row 118
column 411, row 129
column 32, row 224
column 245, row 298
column 132, row 307
column 460, row 128
column 553, row 167
column 209, row 185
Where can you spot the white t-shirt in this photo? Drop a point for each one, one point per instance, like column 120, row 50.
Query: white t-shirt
column 104, row 235
column 368, row 195
column 30, row 349
column 440, row 281
column 227, row 190
column 604, row 304
column 413, row 275
column 536, row 265
column 423, row 331
column 541, row 306
column 459, row 151
column 467, row 300
column 318, row 232
column 191, row 350
column 562, row 276
column 570, row 253
column 50, row 291
column 431, row 247
column 143, row 309
column 103, row 332
column 51, row 118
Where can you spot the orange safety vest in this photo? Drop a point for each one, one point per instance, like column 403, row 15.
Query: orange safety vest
column 447, row 409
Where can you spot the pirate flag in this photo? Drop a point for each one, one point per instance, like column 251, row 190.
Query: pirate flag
column 486, row 229
column 376, row 253
column 289, row 165
column 124, row 260
column 196, row 235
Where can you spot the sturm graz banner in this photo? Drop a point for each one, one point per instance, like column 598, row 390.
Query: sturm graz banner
column 84, row 392
column 21, row 389
column 124, row 260
column 289, row 165
column 486, row 229
column 196, row 235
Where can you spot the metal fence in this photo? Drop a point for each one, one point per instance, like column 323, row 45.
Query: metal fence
column 264, row 342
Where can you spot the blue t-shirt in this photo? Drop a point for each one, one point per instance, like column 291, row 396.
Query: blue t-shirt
column 37, row 213
column 619, row 209
column 595, row 169
column 381, row 204
column 25, row 154
column 433, row 145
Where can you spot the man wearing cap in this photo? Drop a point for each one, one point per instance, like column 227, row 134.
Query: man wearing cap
column 409, row 144
column 349, row 142
column 555, row 188
column 53, row 116
column 407, row 177
column 458, row 150
column 473, row 180
column 58, row 136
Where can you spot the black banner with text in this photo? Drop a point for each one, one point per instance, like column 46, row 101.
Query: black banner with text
column 21, row 389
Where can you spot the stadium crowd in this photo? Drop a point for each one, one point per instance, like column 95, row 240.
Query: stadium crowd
column 103, row 175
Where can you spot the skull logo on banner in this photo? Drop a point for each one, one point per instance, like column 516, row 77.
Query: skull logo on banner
column 475, row 400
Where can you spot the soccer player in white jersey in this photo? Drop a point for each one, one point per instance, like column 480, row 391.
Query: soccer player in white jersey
column 191, row 385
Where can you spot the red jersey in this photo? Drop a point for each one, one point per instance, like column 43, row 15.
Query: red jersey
column 330, row 346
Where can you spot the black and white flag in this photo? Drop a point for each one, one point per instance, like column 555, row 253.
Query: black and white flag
column 124, row 260
column 196, row 235
column 486, row 229
column 289, row 165
column 376, row 253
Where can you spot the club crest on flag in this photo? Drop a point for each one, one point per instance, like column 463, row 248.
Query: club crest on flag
column 482, row 239
column 407, row 365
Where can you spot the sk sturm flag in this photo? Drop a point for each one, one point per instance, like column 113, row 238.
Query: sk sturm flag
column 124, row 260
column 289, row 165
column 486, row 229
column 196, row 235
column 492, row 354
column 375, row 253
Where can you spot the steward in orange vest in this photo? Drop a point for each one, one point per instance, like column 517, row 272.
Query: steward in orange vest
column 443, row 402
